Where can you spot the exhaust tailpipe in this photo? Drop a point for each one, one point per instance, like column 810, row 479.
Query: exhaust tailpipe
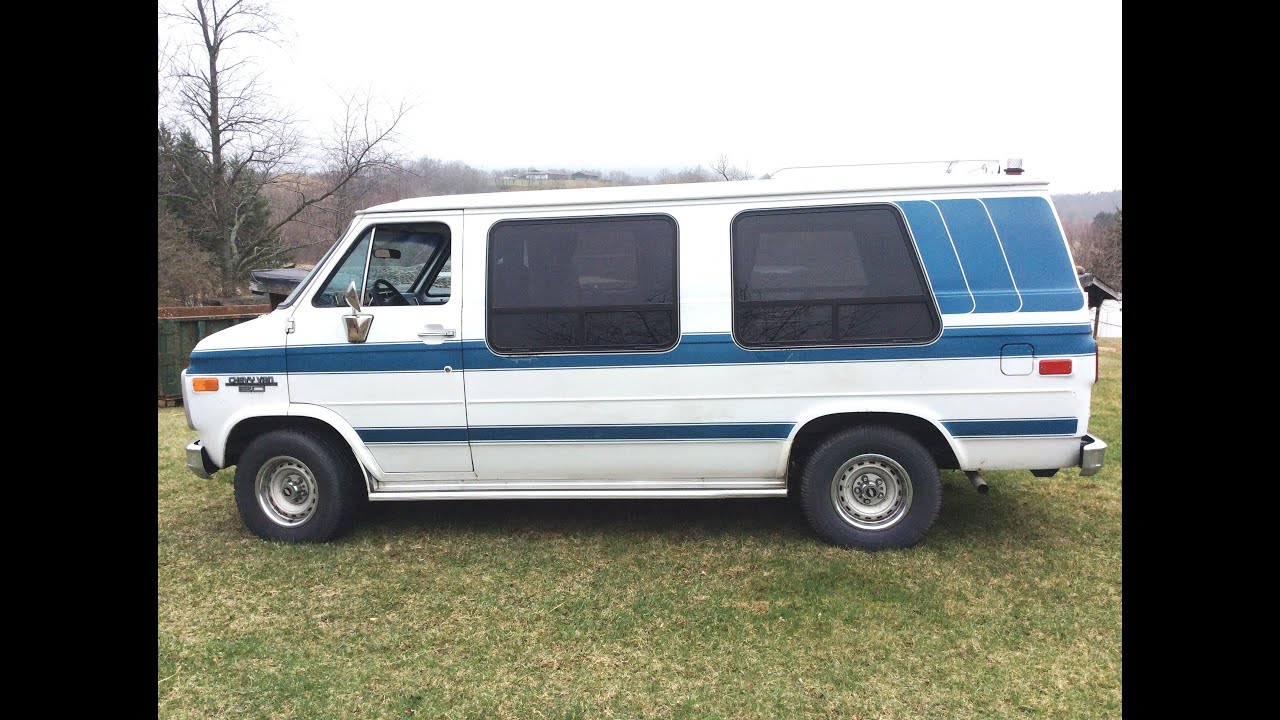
column 978, row 483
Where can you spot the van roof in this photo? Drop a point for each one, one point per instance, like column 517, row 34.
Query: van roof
column 801, row 181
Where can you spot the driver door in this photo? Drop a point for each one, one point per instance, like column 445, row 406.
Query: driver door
column 401, row 388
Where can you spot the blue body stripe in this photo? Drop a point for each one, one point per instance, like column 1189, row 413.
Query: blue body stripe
column 980, row 254
column 728, row 431
column 1011, row 426
column 502, row 433
column 719, row 349
column 1001, row 332
column 939, row 256
column 694, row 349
column 381, row 357
column 1037, row 254
column 412, row 435
column 997, row 427
column 255, row 361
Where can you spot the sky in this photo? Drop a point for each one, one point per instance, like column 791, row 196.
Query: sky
column 641, row 86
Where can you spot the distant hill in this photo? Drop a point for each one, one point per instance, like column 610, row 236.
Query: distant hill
column 1083, row 206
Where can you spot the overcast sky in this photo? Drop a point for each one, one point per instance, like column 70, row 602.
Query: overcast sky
column 640, row 86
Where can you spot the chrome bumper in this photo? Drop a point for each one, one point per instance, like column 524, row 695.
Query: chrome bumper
column 198, row 461
column 1091, row 455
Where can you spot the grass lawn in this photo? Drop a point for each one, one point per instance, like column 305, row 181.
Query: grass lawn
column 1011, row 607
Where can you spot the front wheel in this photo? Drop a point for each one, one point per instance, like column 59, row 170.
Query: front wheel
column 296, row 487
column 871, row 488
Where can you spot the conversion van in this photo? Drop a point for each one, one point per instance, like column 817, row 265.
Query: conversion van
column 836, row 334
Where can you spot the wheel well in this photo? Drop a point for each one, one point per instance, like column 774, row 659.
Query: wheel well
column 818, row 429
column 244, row 433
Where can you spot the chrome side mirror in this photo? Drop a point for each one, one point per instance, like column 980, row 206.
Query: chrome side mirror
column 357, row 324
column 353, row 297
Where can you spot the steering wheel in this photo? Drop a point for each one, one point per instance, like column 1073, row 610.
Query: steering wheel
column 384, row 293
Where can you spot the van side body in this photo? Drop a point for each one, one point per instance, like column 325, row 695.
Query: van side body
column 684, row 341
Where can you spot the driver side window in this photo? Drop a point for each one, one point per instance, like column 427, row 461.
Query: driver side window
column 408, row 265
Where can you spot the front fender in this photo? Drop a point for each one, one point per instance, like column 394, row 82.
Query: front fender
column 215, row 440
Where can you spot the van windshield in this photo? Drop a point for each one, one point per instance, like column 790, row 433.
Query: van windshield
column 297, row 290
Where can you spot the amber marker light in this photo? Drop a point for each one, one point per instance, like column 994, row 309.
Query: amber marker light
column 204, row 384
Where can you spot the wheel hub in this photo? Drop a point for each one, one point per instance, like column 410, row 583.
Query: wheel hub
column 869, row 489
column 286, row 490
column 871, row 492
column 295, row 489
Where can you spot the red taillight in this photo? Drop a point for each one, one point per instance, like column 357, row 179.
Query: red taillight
column 1055, row 367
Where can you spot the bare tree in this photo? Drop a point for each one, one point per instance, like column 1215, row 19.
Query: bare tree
column 688, row 175
column 724, row 169
column 251, row 144
column 619, row 177
column 1109, row 252
column 1097, row 246
column 359, row 145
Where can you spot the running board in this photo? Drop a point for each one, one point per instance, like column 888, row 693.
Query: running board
column 582, row 494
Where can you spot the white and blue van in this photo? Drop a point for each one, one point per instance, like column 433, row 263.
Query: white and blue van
column 839, row 335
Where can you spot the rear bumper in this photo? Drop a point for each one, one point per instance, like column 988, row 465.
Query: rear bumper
column 198, row 461
column 1092, row 451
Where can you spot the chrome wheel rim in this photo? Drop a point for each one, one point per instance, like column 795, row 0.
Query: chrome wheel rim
column 287, row 491
column 871, row 492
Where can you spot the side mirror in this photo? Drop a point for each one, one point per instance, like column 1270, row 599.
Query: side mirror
column 357, row 324
column 353, row 297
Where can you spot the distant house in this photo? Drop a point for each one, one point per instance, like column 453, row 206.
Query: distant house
column 534, row 177
column 540, row 175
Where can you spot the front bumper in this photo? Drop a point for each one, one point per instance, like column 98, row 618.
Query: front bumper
column 1091, row 455
column 198, row 461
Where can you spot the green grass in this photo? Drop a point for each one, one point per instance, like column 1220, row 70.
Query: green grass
column 1011, row 607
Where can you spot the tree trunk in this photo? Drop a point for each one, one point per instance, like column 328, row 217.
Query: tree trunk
column 213, row 44
column 232, row 259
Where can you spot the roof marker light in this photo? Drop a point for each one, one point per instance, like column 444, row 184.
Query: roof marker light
column 1013, row 166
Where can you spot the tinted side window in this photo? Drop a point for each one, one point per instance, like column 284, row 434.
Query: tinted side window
column 589, row 284
column 828, row 276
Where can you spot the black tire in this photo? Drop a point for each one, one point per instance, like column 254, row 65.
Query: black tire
column 302, row 465
column 897, row 468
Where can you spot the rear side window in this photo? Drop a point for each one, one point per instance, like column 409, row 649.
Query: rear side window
column 828, row 276
column 582, row 285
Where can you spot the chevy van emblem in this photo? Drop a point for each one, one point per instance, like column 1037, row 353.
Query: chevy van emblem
column 252, row 383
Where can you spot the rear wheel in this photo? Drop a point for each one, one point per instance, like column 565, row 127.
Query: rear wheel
column 871, row 488
column 297, row 487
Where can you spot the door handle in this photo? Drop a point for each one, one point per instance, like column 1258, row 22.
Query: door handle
column 448, row 332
